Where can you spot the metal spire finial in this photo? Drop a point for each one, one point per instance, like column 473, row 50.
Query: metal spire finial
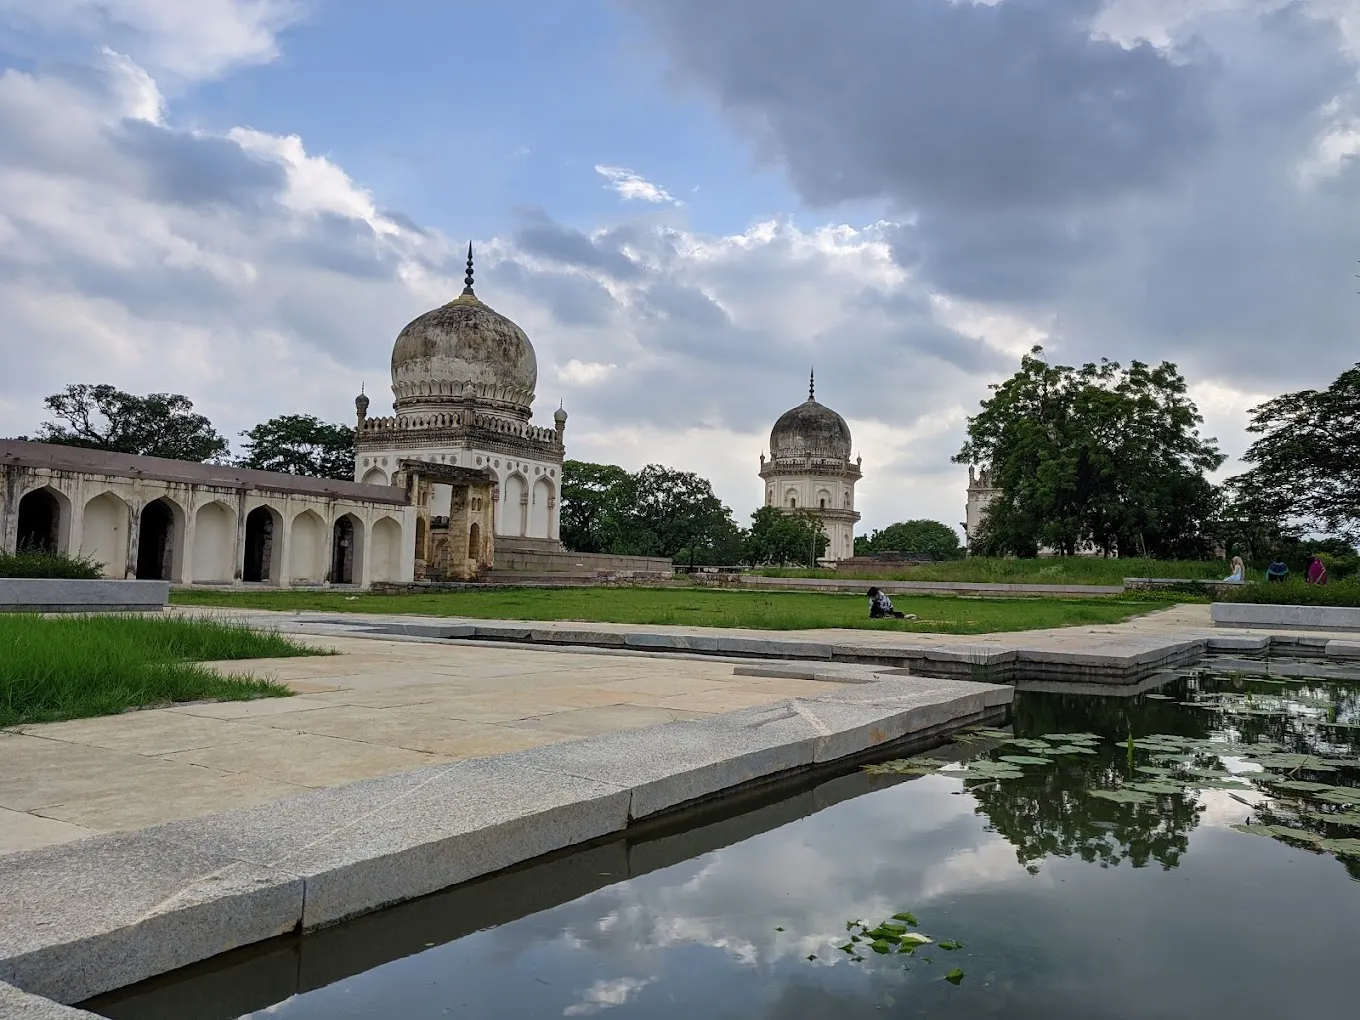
column 812, row 384
column 467, row 280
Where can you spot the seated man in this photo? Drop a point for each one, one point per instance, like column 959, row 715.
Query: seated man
column 881, row 607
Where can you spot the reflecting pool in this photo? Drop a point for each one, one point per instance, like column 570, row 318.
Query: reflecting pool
column 1190, row 851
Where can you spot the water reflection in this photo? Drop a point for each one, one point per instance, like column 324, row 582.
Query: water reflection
column 676, row 924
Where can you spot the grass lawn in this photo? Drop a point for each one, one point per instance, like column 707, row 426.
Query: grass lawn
column 1046, row 570
column 699, row 607
column 71, row 667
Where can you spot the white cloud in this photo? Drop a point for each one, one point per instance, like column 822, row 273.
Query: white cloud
column 186, row 39
column 604, row 995
column 630, row 185
column 585, row 373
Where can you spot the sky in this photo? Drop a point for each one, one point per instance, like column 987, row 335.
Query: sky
column 687, row 204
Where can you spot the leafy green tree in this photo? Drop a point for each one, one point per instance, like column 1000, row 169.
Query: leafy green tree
column 103, row 417
column 680, row 511
column 780, row 538
column 657, row 512
column 597, row 501
column 929, row 538
column 1306, row 463
column 1098, row 455
column 299, row 444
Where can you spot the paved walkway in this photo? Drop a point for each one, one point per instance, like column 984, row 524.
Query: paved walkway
column 380, row 708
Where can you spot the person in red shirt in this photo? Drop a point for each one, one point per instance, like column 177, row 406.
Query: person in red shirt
column 1317, row 571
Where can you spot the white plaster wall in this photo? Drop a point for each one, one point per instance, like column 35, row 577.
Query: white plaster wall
column 208, row 535
column 527, row 518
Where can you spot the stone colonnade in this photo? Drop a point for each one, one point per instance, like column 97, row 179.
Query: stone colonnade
column 205, row 533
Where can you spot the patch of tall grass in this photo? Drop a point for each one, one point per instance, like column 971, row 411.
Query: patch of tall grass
column 71, row 667
column 1042, row 570
column 1297, row 592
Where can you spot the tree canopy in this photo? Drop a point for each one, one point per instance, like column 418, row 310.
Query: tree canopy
column 782, row 538
column 1098, row 456
column 300, row 444
column 1305, row 467
column 103, row 417
column 658, row 511
column 929, row 538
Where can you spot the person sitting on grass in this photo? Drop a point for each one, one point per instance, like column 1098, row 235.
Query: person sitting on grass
column 881, row 607
column 1239, row 570
column 1277, row 571
column 1317, row 571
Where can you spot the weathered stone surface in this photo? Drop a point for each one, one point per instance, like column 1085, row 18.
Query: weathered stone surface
column 86, row 917
column 17, row 1005
column 1338, row 649
column 370, row 844
column 1238, row 643
column 678, row 762
column 830, row 672
column 65, row 595
column 1241, row 614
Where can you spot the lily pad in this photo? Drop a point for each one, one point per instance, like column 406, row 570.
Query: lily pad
column 1311, row 762
column 1025, row 759
column 1283, row 832
column 1299, row 785
column 1155, row 770
column 1340, row 795
column 906, row 916
column 1031, row 745
column 951, row 945
column 1154, row 787
column 1123, row 796
column 1349, row 819
column 1073, row 749
column 954, row 976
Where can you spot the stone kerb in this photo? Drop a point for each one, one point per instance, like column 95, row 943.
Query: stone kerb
column 69, row 595
column 1245, row 614
column 101, row 913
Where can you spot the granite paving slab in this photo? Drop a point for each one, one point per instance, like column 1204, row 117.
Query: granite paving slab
column 17, row 1005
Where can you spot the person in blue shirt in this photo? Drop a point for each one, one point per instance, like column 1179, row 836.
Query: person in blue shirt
column 881, row 607
column 1277, row 571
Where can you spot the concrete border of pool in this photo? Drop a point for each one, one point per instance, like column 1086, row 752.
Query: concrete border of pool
column 102, row 913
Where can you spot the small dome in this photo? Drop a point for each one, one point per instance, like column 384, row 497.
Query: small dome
column 810, row 431
column 560, row 414
column 463, row 349
column 361, row 403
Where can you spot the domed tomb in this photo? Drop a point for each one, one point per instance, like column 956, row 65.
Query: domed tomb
column 810, row 431
column 464, row 351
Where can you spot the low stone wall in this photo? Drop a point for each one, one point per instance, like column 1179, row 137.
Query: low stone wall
column 538, row 561
column 910, row 587
column 1179, row 584
column 61, row 595
column 1245, row 614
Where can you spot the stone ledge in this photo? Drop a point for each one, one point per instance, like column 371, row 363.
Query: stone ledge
column 72, row 595
column 109, row 911
column 1248, row 614
column 85, row 917
column 17, row 1005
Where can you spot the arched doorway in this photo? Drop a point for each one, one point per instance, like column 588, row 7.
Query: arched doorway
column 40, row 521
column 347, row 550
column 156, row 542
column 540, row 510
column 475, row 541
column 514, row 504
column 262, row 538
column 307, row 549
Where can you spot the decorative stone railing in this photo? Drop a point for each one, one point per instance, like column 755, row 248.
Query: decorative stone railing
column 456, row 419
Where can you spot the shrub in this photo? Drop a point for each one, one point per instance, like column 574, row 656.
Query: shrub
column 1296, row 592
column 41, row 563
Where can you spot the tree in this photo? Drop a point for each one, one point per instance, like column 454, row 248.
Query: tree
column 1098, row 456
column 778, row 537
column 1306, row 463
column 299, row 444
column 680, row 511
column 657, row 512
column 596, row 507
column 105, row 418
column 929, row 538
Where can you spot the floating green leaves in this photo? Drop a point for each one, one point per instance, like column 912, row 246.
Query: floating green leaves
column 892, row 937
column 907, row 767
column 1123, row 796
column 954, row 976
column 1025, row 759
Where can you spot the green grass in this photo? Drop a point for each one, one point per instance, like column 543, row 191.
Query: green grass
column 1045, row 570
column 72, row 667
column 701, row 607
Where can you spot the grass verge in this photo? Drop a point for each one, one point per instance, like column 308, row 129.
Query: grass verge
column 1045, row 570
column 72, row 667
column 1296, row 592
column 700, row 607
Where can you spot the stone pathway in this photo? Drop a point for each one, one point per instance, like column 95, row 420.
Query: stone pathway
column 380, row 708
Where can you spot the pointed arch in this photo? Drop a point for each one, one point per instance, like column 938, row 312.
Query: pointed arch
column 104, row 533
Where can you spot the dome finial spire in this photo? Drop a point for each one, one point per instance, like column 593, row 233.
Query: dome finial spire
column 467, row 280
column 812, row 384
